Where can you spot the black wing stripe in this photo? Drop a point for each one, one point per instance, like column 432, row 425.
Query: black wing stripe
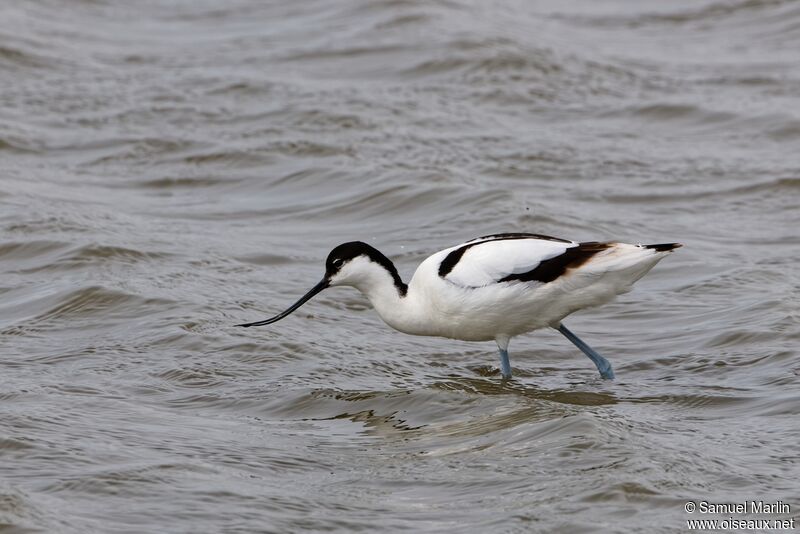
column 521, row 235
column 452, row 259
column 549, row 270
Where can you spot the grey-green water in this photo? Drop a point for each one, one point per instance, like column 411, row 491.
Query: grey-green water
column 171, row 168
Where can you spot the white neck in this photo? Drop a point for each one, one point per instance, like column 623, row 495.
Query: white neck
column 397, row 309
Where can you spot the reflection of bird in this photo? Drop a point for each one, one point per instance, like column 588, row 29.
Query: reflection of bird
column 493, row 287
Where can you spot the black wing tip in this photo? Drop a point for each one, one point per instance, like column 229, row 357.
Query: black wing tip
column 664, row 247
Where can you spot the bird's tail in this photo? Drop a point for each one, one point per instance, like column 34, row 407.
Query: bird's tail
column 664, row 247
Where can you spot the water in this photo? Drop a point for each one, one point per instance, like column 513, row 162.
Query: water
column 172, row 168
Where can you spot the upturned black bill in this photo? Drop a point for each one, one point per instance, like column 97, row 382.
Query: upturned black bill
column 314, row 290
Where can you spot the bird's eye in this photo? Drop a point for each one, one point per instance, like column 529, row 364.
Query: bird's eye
column 338, row 262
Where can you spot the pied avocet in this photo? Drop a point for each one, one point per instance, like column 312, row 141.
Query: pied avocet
column 491, row 288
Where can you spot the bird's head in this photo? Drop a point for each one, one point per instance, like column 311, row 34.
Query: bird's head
column 349, row 264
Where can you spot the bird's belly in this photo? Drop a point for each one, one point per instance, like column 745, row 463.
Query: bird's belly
column 482, row 315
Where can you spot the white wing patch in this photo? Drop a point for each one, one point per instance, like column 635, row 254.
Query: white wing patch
column 487, row 262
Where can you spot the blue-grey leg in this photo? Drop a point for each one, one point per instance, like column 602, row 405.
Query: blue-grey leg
column 603, row 365
column 505, row 363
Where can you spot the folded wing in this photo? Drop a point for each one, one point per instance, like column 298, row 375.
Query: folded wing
column 509, row 258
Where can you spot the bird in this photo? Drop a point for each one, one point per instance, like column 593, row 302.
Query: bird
column 491, row 288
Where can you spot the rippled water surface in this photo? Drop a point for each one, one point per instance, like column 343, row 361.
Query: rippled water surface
column 171, row 168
